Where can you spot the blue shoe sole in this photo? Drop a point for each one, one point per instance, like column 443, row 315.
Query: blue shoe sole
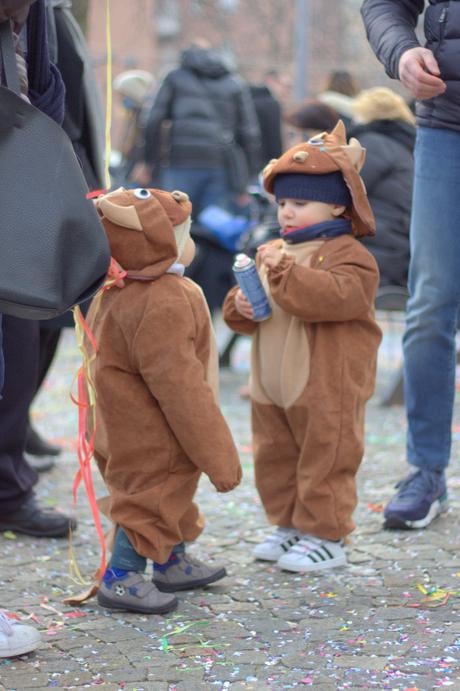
column 397, row 522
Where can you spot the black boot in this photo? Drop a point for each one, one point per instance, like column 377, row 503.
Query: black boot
column 37, row 446
column 32, row 519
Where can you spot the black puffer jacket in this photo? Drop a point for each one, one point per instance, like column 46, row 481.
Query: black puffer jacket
column 206, row 106
column 390, row 28
column 388, row 175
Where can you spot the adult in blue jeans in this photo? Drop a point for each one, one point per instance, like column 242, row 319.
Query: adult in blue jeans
column 432, row 75
column 202, row 116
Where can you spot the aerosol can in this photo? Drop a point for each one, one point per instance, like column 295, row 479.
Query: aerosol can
column 248, row 278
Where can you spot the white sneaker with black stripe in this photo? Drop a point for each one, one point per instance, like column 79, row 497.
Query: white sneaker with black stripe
column 276, row 544
column 312, row 554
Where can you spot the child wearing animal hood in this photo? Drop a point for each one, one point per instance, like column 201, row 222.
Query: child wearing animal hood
column 314, row 360
column 159, row 425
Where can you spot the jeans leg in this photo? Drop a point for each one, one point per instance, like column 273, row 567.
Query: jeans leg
column 429, row 339
column 124, row 556
column 204, row 186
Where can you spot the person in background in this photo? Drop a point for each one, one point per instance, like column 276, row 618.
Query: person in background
column 309, row 118
column 385, row 126
column 202, row 121
column 42, row 84
column 432, row 75
column 339, row 92
column 135, row 89
column 268, row 111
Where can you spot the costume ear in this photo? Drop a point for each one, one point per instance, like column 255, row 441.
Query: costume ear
column 124, row 216
column 356, row 154
column 339, row 132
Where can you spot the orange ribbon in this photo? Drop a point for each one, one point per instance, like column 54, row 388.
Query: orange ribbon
column 86, row 399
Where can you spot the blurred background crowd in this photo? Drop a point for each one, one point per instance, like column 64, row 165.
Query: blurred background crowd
column 206, row 92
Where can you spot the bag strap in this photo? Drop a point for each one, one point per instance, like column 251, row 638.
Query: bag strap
column 10, row 75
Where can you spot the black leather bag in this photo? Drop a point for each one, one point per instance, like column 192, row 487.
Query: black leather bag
column 53, row 250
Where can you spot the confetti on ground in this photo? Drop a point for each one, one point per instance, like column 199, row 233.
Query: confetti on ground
column 366, row 625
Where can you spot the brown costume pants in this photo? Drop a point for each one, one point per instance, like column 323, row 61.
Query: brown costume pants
column 305, row 466
column 156, row 521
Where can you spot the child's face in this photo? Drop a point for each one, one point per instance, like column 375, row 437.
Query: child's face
column 298, row 213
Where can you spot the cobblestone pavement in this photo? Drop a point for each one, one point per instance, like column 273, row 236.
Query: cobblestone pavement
column 388, row 620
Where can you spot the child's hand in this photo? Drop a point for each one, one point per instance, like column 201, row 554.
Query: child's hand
column 270, row 255
column 227, row 485
column 243, row 306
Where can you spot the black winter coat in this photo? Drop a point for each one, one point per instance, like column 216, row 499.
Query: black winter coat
column 388, row 176
column 390, row 28
column 268, row 111
column 207, row 106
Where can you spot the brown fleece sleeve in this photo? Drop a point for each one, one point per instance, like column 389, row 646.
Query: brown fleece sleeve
column 233, row 318
column 341, row 290
column 164, row 352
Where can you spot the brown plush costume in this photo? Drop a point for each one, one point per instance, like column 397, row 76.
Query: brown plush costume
column 155, row 375
column 314, row 360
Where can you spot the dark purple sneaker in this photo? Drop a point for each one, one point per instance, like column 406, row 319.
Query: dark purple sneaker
column 420, row 498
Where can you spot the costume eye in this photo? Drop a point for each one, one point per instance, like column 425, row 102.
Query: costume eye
column 142, row 193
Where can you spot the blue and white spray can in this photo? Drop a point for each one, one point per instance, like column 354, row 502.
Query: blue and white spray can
column 248, row 279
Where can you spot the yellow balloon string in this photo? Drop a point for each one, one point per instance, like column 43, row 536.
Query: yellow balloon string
column 108, row 98
column 74, row 570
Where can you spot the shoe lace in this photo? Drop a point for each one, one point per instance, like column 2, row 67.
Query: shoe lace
column 5, row 625
column 416, row 484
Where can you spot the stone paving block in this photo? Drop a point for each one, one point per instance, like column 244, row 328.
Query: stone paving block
column 23, row 680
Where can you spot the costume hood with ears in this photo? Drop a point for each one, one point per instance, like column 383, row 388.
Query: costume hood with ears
column 147, row 229
column 329, row 153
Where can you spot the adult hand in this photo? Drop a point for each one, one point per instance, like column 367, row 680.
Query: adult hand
column 419, row 72
column 17, row 10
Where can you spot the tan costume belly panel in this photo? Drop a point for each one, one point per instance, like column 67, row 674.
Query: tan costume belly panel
column 280, row 366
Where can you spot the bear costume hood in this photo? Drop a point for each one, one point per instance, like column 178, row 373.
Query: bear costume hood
column 146, row 228
column 329, row 153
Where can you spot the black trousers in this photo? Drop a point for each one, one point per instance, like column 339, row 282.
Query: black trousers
column 21, row 351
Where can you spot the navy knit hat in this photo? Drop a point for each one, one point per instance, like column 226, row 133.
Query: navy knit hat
column 329, row 187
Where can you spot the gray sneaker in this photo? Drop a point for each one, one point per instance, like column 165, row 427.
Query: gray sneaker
column 132, row 593
column 182, row 572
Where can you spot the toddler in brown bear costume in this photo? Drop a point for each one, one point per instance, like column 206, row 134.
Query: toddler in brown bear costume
column 314, row 360
column 159, row 425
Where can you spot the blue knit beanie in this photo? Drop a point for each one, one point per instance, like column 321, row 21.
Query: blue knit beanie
column 329, row 187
